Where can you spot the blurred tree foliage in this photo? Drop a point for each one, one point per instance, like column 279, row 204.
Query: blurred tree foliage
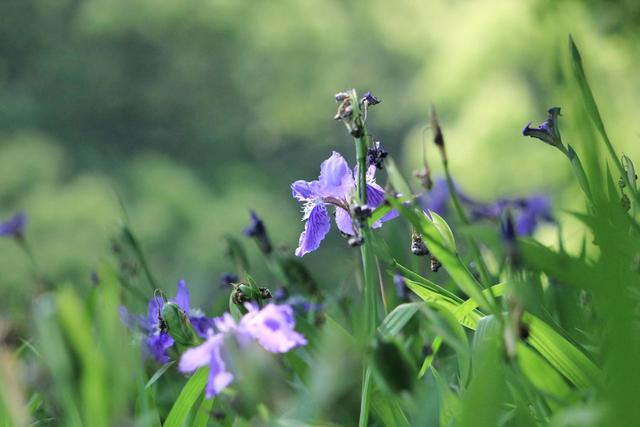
column 195, row 111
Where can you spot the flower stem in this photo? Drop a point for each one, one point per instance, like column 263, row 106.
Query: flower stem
column 370, row 288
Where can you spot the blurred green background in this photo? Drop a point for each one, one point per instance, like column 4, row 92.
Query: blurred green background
column 195, row 111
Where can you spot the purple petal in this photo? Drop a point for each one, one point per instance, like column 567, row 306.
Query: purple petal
column 273, row 328
column 304, row 190
column 335, row 176
column 158, row 344
column 14, row 226
column 201, row 324
column 315, row 229
column 219, row 376
column 199, row 356
column 375, row 195
column 344, row 222
column 436, row 200
column 182, row 296
column 154, row 309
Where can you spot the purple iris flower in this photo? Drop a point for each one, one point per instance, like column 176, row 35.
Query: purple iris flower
column 272, row 327
column 528, row 212
column 335, row 186
column 14, row 226
column 158, row 340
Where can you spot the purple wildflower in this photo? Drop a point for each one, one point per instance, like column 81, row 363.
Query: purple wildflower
column 258, row 231
column 14, row 226
column 158, row 340
column 528, row 212
column 209, row 353
column 336, row 186
column 272, row 327
column 548, row 131
column 369, row 99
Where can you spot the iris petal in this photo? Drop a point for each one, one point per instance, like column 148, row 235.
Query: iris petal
column 316, row 228
column 344, row 222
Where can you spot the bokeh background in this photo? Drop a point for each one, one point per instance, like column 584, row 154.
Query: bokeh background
column 193, row 112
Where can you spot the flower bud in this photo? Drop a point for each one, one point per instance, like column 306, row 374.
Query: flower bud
column 178, row 324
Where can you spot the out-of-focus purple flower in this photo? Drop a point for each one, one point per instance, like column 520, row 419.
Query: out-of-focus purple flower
column 227, row 279
column 209, row 353
column 280, row 294
column 14, row 226
column 336, row 186
column 533, row 210
column 158, row 340
column 258, row 231
column 272, row 327
column 548, row 131
column 528, row 212
column 402, row 290
column 436, row 200
column 369, row 99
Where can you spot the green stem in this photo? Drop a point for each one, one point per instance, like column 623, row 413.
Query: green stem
column 368, row 261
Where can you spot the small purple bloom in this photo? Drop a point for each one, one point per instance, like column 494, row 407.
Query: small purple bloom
column 369, row 99
column 548, row 131
column 227, row 279
column 335, row 186
column 272, row 327
column 258, row 231
column 14, row 226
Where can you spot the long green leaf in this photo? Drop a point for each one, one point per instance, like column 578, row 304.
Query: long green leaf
column 187, row 398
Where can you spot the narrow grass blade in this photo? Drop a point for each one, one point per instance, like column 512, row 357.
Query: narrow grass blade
column 187, row 398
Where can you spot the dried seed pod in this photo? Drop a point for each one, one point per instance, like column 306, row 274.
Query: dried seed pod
column 418, row 247
column 435, row 264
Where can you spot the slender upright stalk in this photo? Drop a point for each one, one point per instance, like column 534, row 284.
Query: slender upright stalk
column 370, row 314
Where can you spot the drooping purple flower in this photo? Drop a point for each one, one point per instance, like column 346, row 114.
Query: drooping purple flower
column 336, row 186
column 369, row 99
column 258, row 231
column 548, row 131
column 14, row 226
column 533, row 210
column 272, row 327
